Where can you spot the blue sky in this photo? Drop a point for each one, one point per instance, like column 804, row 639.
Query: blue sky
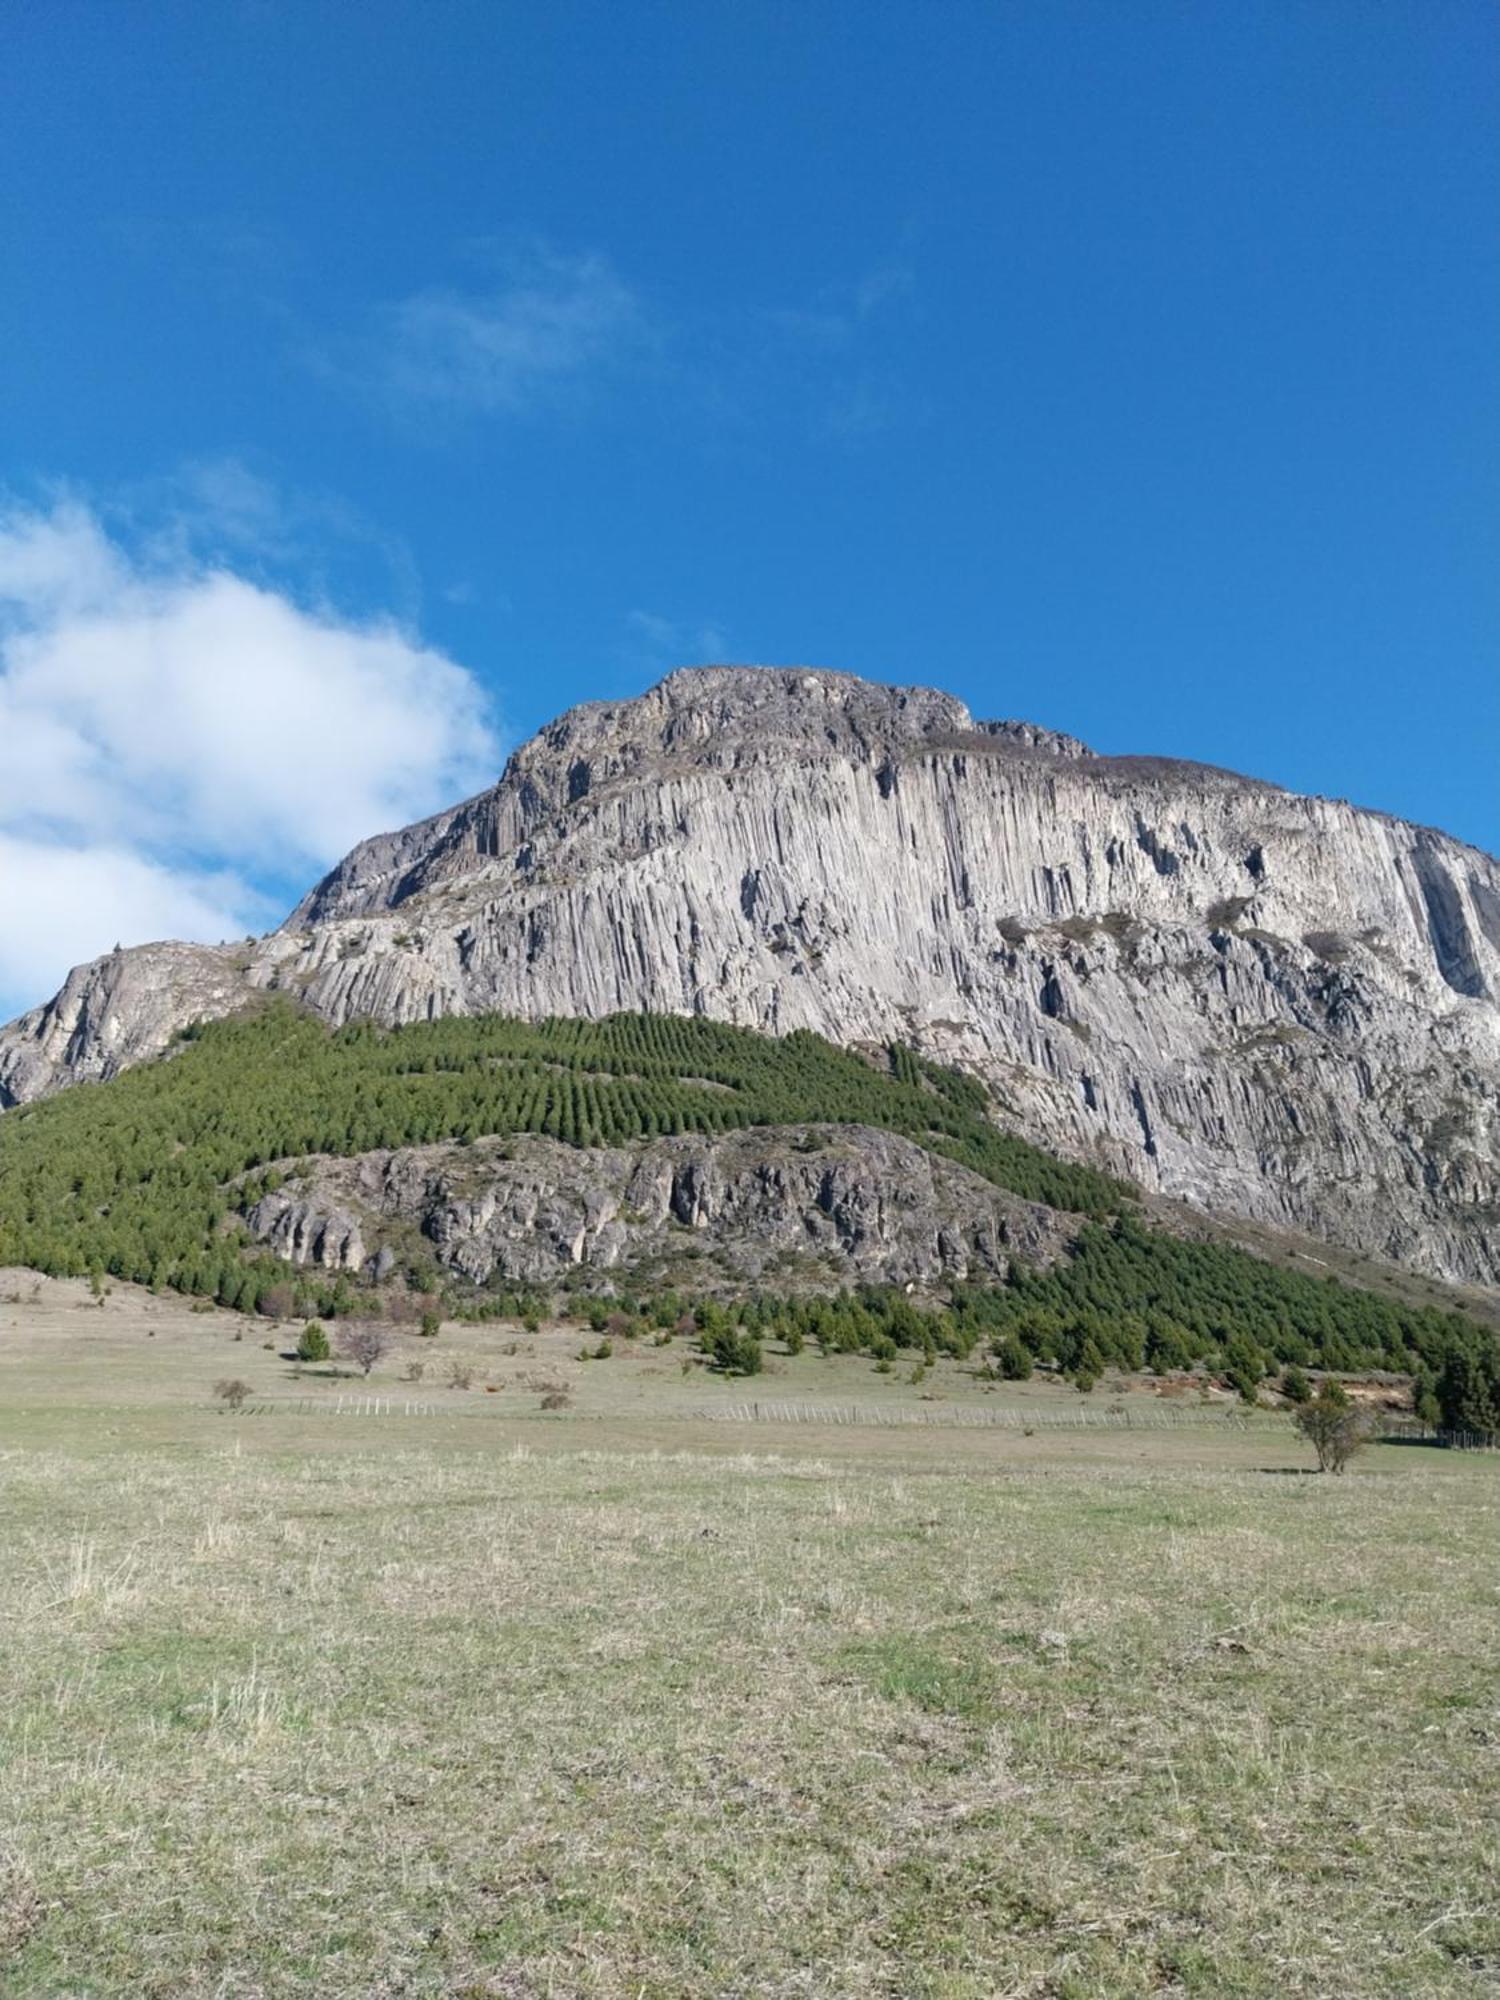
column 377, row 382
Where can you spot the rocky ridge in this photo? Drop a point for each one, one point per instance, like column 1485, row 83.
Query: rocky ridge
column 847, row 1204
column 1261, row 1004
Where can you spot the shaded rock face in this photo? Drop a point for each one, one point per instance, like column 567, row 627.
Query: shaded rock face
column 1267, row 1006
column 845, row 1204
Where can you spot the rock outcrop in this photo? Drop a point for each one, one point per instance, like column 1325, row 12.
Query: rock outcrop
column 1265, row 1005
column 845, row 1204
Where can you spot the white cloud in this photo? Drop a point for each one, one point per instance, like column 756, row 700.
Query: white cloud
column 172, row 735
column 62, row 905
column 554, row 321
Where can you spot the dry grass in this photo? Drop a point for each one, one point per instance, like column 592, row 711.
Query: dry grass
column 508, row 1703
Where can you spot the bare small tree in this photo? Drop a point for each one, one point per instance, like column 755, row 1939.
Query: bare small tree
column 232, row 1390
column 364, row 1344
column 1335, row 1427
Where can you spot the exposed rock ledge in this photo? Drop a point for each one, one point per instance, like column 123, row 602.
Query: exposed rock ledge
column 864, row 1205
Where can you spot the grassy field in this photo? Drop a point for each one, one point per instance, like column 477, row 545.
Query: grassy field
column 644, row 1697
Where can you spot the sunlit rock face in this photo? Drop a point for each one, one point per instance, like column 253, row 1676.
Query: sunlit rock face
column 792, row 1207
column 1270, row 1006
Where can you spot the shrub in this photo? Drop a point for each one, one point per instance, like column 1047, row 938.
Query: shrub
column 1088, row 1368
column 313, row 1343
column 1013, row 1358
column 730, row 1350
column 1244, row 1367
column 1295, row 1385
column 556, row 1399
column 1335, row 1427
column 232, row 1391
column 460, row 1375
column 364, row 1344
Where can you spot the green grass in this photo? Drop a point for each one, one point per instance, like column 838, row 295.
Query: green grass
column 607, row 1704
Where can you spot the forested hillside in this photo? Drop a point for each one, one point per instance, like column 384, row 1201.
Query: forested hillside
column 146, row 1178
column 134, row 1176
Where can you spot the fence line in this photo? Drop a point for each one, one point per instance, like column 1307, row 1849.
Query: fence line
column 951, row 1416
column 345, row 1406
column 957, row 1416
column 1411, row 1430
column 379, row 1406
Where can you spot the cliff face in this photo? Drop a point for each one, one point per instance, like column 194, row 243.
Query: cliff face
column 847, row 1204
column 1268, row 1006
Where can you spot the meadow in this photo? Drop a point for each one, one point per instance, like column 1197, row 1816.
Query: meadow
column 646, row 1694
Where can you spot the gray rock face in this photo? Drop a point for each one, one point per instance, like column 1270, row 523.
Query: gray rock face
column 1267, row 1006
column 814, row 1203
column 119, row 1010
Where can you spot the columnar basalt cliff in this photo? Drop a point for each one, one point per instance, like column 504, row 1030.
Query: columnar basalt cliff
column 1268, row 1006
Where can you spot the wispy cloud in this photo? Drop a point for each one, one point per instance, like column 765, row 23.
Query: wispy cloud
column 221, row 511
column 822, row 364
column 553, row 325
column 178, row 739
column 655, row 644
column 553, row 332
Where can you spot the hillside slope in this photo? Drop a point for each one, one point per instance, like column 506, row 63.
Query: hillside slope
column 670, row 1156
column 1267, row 1006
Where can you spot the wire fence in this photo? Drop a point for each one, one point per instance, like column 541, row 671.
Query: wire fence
column 342, row 1406
column 963, row 1417
column 888, row 1416
column 1411, row 1430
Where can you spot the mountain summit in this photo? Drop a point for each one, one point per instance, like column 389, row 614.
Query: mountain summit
column 1274, row 1008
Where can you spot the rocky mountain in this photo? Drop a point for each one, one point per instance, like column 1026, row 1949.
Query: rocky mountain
column 1263, row 1005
